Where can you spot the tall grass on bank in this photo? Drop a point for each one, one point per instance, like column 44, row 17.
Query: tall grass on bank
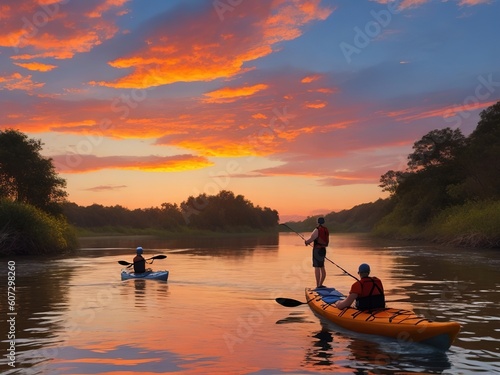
column 26, row 230
column 475, row 224
column 397, row 224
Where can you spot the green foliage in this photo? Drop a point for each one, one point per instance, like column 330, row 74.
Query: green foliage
column 448, row 179
column 221, row 212
column 26, row 176
column 360, row 218
column 449, row 192
column 396, row 224
column 25, row 230
column 471, row 224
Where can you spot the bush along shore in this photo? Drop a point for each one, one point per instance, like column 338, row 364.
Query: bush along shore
column 26, row 230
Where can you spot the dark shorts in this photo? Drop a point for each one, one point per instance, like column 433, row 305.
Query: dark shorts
column 319, row 254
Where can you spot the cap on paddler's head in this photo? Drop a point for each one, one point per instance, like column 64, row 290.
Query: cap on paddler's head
column 364, row 268
column 139, row 250
column 321, row 220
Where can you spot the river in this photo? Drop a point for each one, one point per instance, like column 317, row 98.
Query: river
column 217, row 312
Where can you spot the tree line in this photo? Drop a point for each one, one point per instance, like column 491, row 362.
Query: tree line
column 220, row 212
column 37, row 218
column 449, row 190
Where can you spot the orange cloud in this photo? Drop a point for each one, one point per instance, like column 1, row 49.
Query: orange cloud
column 105, row 6
column 231, row 94
column 201, row 48
column 444, row 112
column 16, row 81
column 325, row 90
column 37, row 66
column 51, row 29
column 316, row 105
column 310, row 79
column 259, row 116
column 473, row 2
column 76, row 163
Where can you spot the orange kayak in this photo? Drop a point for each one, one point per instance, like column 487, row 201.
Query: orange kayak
column 403, row 325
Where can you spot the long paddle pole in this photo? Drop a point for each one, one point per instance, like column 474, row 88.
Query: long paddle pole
column 301, row 236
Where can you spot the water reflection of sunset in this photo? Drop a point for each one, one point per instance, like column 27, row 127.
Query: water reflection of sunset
column 217, row 314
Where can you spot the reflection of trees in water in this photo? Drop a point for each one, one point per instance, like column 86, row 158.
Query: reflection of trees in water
column 41, row 301
column 225, row 245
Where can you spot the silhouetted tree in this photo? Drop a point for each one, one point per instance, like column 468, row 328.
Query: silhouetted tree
column 436, row 148
column 26, row 176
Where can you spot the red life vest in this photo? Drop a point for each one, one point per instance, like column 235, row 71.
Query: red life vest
column 372, row 294
column 323, row 237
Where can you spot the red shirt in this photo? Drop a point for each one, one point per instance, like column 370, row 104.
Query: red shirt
column 370, row 293
column 364, row 286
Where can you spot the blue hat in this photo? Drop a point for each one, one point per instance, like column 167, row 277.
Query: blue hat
column 139, row 250
column 364, row 268
column 321, row 220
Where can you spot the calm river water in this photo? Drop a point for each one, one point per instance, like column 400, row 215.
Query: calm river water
column 217, row 314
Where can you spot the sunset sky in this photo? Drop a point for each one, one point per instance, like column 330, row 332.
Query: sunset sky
column 299, row 106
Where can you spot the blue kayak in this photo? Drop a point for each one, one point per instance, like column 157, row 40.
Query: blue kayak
column 148, row 275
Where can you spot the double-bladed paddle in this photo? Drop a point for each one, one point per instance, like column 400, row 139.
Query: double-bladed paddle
column 125, row 263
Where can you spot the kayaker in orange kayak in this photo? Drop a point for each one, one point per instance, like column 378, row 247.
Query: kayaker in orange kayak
column 368, row 292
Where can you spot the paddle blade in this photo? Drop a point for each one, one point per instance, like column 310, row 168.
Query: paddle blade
column 159, row 257
column 288, row 302
column 124, row 263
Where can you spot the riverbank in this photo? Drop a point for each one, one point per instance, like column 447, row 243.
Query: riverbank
column 474, row 224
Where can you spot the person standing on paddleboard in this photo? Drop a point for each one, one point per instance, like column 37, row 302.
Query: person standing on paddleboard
column 319, row 238
column 139, row 261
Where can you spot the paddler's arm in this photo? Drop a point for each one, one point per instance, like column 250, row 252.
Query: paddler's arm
column 346, row 302
column 314, row 235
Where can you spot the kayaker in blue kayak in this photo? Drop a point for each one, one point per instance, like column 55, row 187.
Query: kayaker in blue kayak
column 368, row 292
column 320, row 238
column 139, row 261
